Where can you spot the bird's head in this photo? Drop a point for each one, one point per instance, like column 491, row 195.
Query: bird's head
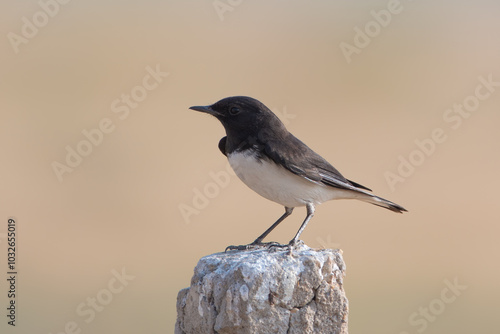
column 241, row 115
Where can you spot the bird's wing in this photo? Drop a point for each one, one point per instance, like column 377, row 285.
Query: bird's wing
column 299, row 159
column 222, row 145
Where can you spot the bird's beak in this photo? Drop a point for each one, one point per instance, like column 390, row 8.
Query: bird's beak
column 205, row 109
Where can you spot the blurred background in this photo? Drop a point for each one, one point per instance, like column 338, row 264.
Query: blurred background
column 118, row 189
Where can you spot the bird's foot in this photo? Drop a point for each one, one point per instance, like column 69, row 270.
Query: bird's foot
column 288, row 247
column 253, row 246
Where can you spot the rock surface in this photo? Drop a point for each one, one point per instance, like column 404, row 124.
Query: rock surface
column 265, row 292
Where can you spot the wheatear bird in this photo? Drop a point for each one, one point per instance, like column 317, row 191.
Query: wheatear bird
column 278, row 166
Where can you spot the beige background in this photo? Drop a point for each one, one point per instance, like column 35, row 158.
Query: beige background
column 120, row 207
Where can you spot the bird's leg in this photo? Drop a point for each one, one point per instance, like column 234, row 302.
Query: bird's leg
column 258, row 242
column 310, row 214
column 295, row 240
column 288, row 212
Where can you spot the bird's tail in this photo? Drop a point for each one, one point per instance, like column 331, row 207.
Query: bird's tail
column 379, row 201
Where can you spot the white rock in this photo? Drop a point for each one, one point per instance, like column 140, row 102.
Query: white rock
column 265, row 292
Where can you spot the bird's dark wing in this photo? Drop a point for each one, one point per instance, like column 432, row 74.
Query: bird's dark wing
column 299, row 159
column 357, row 185
column 222, row 145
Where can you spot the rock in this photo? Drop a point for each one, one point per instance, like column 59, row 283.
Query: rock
column 265, row 292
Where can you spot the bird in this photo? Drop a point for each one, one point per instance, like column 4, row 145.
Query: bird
column 278, row 166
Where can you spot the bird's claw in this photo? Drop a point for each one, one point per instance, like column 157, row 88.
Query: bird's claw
column 270, row 246
column 253, row 246
column 288, row 247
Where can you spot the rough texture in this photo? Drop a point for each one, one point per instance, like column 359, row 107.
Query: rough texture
column 265, row 292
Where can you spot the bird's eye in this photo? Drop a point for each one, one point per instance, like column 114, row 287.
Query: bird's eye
column 234, row 110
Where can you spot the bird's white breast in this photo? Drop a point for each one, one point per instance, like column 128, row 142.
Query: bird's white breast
column 277, row 184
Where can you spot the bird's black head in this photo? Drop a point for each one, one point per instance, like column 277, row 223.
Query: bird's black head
column 243, row 116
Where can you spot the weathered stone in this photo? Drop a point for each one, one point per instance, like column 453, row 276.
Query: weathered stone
column 265, row 292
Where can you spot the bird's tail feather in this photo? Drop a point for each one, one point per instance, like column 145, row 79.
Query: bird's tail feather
column 379, row 201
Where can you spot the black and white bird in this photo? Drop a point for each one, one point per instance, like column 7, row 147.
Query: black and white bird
column 278, row 166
